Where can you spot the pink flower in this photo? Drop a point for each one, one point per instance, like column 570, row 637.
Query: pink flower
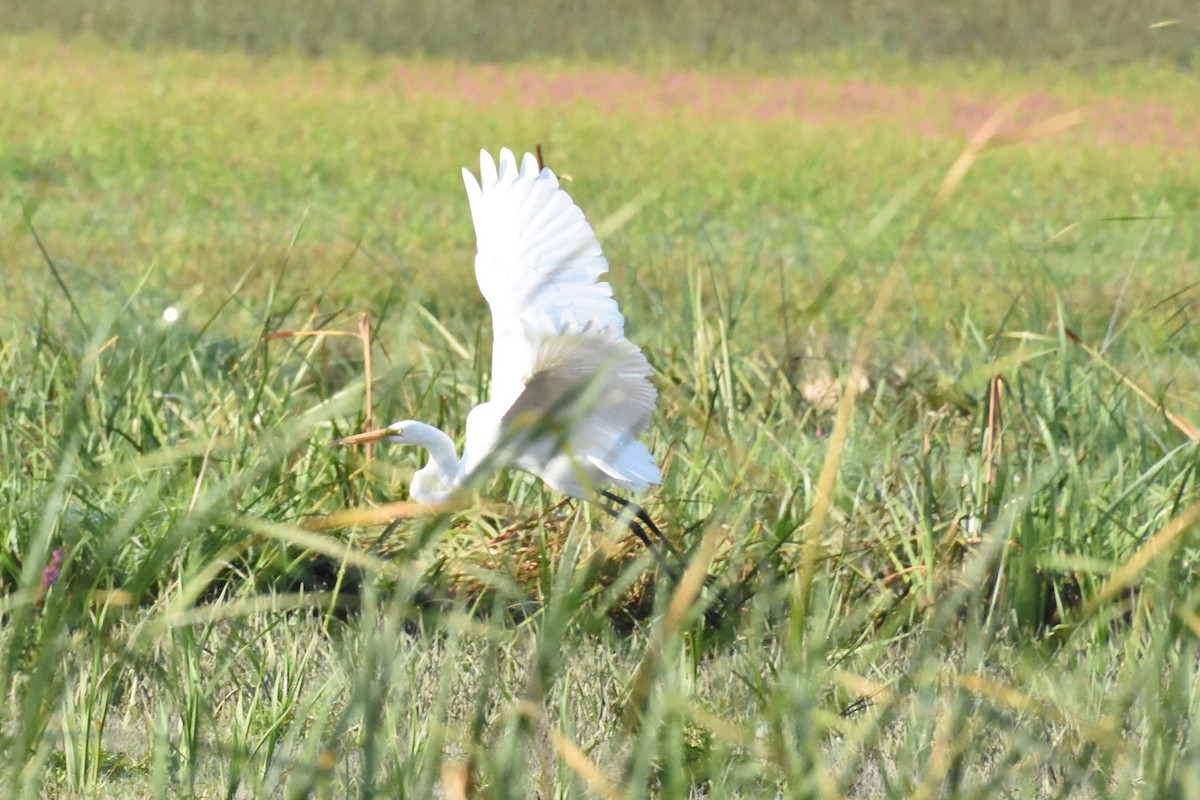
column 52, row 570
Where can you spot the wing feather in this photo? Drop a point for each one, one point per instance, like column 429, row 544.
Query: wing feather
column 580, row 412
column 569, row 393
column 537, row 265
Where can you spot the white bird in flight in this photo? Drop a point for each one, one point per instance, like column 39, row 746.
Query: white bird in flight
column 569, row 393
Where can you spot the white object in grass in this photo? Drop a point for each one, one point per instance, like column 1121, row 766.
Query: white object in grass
column 569, row 393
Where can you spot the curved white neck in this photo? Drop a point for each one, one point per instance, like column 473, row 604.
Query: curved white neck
column 437, row 480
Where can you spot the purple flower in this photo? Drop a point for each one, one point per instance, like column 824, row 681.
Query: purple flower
column 52, row 570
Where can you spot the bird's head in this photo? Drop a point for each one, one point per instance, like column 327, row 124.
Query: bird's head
column 405, row 432
column 438, row 480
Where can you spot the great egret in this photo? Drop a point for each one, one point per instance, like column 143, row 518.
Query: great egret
column 569, row 393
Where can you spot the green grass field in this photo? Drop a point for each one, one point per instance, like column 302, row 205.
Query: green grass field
column 975, row 577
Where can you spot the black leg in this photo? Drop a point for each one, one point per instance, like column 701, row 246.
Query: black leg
column 642, row 517
column 639, row 532
column 714, row 615
column 388, row 531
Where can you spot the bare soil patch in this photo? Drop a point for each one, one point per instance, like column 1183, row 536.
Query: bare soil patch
column 809, row 101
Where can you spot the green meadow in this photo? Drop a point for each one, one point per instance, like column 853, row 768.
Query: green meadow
column 927, row 384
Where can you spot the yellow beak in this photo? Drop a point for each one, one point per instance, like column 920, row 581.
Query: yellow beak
column 365, row 438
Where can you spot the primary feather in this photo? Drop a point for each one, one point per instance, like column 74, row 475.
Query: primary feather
column 537, row 266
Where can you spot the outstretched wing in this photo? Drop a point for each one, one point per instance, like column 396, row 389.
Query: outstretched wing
column 537, row 266
column 577, row 418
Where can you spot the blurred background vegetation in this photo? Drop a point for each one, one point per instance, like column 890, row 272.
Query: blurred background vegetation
column 770, row 33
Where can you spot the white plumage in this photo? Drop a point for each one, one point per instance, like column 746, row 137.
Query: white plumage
column 569, row 393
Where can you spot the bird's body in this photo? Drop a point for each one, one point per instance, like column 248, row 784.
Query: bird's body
column 569, row 394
